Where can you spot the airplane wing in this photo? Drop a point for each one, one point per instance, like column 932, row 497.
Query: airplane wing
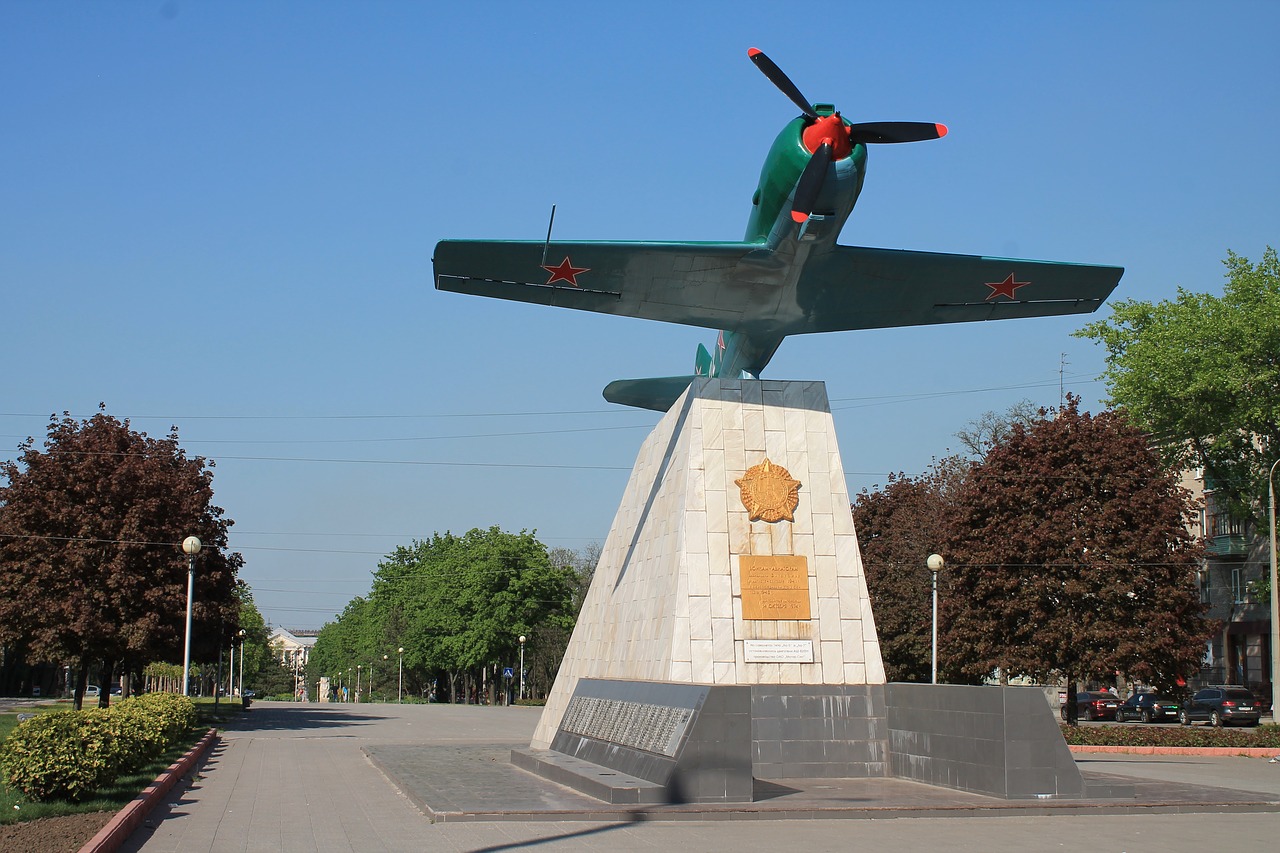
column 742, row 287
column 689, row 283
column 859, row 288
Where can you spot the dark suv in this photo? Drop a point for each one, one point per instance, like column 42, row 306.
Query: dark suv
column 1221, row 706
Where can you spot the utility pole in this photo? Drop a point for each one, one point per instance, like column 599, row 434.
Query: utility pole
column 1062, row 369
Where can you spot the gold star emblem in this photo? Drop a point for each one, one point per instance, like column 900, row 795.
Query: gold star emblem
column 769, row 493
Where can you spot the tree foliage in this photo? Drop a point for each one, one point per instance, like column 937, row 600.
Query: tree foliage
column 898, row 528
column 91, row 570
column 1201, row 373
column 1069, row 556
column 456, row 604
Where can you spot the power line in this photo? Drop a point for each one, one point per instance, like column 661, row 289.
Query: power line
column 411, row 438
column 869, row 400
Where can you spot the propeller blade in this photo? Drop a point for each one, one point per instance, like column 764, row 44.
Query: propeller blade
column 810, row 183
column 782, row 81
column 896, row 131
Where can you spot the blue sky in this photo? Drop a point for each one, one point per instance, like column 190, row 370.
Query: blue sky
column 220, row 216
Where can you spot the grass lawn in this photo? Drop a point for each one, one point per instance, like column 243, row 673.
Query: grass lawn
column 15, row 807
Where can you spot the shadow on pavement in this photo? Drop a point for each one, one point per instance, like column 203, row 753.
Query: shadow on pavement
column 633, row 817
column 300, row 716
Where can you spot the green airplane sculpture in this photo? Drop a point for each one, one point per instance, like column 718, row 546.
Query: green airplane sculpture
column 788, row 276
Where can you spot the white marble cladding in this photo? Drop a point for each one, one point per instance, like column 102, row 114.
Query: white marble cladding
column 665, row 603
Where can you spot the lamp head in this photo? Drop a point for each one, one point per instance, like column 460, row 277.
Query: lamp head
column 191, row 545
column 935, row 562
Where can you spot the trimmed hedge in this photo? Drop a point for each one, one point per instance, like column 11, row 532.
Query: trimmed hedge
column 1138, row 734
column 66, row 755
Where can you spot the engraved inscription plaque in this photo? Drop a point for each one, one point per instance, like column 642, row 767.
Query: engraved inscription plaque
column 774, row 587
column 778, row 651
column 639, row 725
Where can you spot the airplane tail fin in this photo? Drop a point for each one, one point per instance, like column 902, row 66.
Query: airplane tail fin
column 659, row 394
column 702, row 362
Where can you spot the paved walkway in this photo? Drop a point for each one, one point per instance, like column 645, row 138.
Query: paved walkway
column 298, row 777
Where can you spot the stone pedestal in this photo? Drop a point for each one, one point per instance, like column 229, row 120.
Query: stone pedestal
column 727, row 636
column 668, row 601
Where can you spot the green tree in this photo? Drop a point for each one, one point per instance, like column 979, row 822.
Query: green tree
column 898, row 528
column 471, row 597
column 457, row 605
column 91, row 570
column 258, row 660
column 349, row 641
column 1069, row 556
column 1201, row 373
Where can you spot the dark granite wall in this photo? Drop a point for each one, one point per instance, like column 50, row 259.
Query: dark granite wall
column 1002, row 741
column 712, row 762
column 818, row 731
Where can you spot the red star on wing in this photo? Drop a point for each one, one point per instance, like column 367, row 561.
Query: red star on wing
column 1008, row 287
column 565, row 271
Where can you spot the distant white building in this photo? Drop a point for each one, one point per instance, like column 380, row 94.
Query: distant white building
column 292, row 647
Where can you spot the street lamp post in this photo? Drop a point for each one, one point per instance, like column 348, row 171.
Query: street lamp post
column 384, row 660
column 359, row 667
column 1275, row 598
column 522, row 639
column 242, row 635
column 400, row 686
column 191, row 547
column 935, row 564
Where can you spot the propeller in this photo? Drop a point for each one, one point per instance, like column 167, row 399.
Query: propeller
column 828, row 138
column 781, row 80
column 896, row 131
column 810, row 183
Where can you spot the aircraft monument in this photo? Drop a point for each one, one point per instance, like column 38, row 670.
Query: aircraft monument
column 728, row 635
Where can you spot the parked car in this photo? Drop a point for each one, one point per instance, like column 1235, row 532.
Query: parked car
column 91, row 692
column 1094, row 705
column 1221, row 706
column 1149, row 708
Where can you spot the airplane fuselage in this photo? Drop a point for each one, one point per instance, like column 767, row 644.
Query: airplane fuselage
column 782, row 168
column 788, row 243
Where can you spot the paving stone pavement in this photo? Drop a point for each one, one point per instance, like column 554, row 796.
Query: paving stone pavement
column 297, row 777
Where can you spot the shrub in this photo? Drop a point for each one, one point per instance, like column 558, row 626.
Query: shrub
column 176, row 714
column 62, row 755
column 1181, row 736
column 68, row 754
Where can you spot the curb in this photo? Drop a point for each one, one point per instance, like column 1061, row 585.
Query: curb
column 1244, row 751
column 129, row 818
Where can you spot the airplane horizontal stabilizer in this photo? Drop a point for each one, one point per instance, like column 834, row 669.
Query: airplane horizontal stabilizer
column 659, row 394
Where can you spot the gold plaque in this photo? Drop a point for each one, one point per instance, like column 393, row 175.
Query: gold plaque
column 769, row 493
column 775, row 587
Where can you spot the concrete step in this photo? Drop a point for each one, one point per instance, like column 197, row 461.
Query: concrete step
column 593, row 780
